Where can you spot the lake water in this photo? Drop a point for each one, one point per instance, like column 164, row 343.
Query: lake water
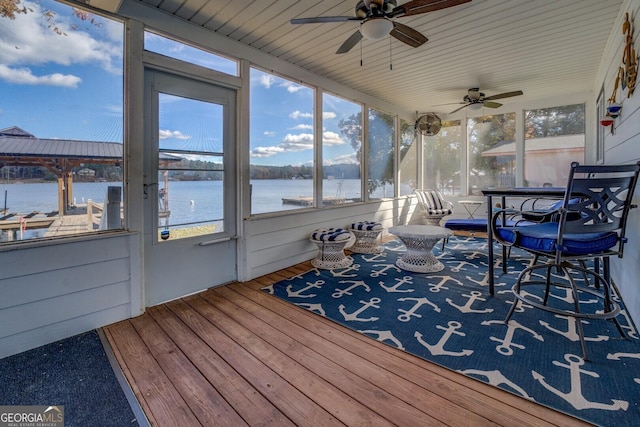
column 189, row 201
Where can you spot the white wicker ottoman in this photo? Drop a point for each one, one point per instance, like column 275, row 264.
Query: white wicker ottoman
column 366, row 233
column 331, row 243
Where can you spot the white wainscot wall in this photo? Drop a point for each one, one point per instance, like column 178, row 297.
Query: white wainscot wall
column 274, row 243
column 54, row 291
column 622, row 146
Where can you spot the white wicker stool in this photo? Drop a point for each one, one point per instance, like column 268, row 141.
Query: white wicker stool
column 366, row 233
column 331, row 243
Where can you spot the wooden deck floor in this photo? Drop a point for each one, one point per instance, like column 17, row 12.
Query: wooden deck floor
column 235, row 355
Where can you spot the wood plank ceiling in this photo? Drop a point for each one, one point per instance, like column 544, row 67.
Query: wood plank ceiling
column 544, row 47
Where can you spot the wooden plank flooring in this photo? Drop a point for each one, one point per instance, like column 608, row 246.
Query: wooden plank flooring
column 235, row 355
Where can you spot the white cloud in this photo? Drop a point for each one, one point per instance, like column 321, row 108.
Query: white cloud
column 24, row 76
column 300, row 115
column 269, row 133
column 267, row 80
column 331, row 138
column 329, row 115
column 166, row 134
column 290, row 143
column 302, row 127
column 341, row 160
column 300, row 142
column 27, row 41
column 266, row 151
column 292, row 87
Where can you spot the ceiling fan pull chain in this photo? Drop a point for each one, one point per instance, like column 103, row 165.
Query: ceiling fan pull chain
column 390, row 60
column 361, row 52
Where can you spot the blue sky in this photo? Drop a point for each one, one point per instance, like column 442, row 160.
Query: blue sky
column 70, row 87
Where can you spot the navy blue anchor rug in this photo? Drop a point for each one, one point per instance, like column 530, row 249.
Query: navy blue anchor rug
column 449, row 318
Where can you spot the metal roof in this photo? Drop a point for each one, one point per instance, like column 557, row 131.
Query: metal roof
column 15, row 142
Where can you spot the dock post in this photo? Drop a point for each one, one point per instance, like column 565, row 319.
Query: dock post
column 90, row 215
column 114, row 198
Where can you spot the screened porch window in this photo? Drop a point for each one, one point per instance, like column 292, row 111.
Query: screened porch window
column 61, row 137
column 380, row 158
column 492, row 163
column 341, row 156
column 443, row 159
column 281, row 143
column 554, row 138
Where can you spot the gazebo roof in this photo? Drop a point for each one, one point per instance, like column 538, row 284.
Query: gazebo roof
column 16, row 143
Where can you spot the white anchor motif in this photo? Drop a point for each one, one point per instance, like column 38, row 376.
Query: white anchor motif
column 339, row 293
column 460, row 265
column 436, row 287
column 399, row 282
column 373, row 258
column 342, row 272
column 496, row 378
column 472, row 297
column 383, row 270
column 618, row 356
column 521, row 305
column 301, row 275
column 475, row 255
column 485, row 281
column 571, row 332
column 438, row 349
column 317, row 308
column 383, row 336
column 299, row 293
column 507, row 344
column 568, row 298
column 365, row 305
column 407, row 314
column 575, row 396
column 628, row 326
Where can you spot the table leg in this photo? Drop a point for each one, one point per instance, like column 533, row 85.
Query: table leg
column 419, row 257
column 490, row 243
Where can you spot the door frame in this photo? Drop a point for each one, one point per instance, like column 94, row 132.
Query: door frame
column 201, row 261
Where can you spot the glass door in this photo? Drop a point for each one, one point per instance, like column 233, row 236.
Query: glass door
column 190, row 186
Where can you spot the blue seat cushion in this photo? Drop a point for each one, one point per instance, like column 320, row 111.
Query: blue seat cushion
column 543, row 237
column 366, row 226
column 467, row 224
column 476, row 224
column 330, row 235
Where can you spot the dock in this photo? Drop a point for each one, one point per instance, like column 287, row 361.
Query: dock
column 308, row 201
column 80, row 219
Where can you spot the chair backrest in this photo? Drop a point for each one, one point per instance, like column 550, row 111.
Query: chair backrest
column 605, row 194
column 431, row 199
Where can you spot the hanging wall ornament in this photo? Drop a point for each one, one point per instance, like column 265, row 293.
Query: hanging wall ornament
column 629, row 59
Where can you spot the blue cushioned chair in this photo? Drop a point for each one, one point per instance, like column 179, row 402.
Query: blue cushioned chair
column 589, row 225
column 433, row 206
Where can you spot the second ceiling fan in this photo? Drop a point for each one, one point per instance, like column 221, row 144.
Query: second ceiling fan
column 475, row 97
column 376, row 20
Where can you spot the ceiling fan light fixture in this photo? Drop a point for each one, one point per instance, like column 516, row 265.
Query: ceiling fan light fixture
column 376, row 28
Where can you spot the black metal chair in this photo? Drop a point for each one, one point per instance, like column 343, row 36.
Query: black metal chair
column 590, row 225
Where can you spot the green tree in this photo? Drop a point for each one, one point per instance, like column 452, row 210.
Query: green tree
column 555, row 121
column 380, row 142
column 442, row 157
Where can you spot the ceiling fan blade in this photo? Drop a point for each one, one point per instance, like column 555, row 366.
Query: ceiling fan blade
column 459, row 108
column 408, row 35
column 504, row 95
column 350, row 42
column 323, row 19
column 416, row 7
column 490, row 104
